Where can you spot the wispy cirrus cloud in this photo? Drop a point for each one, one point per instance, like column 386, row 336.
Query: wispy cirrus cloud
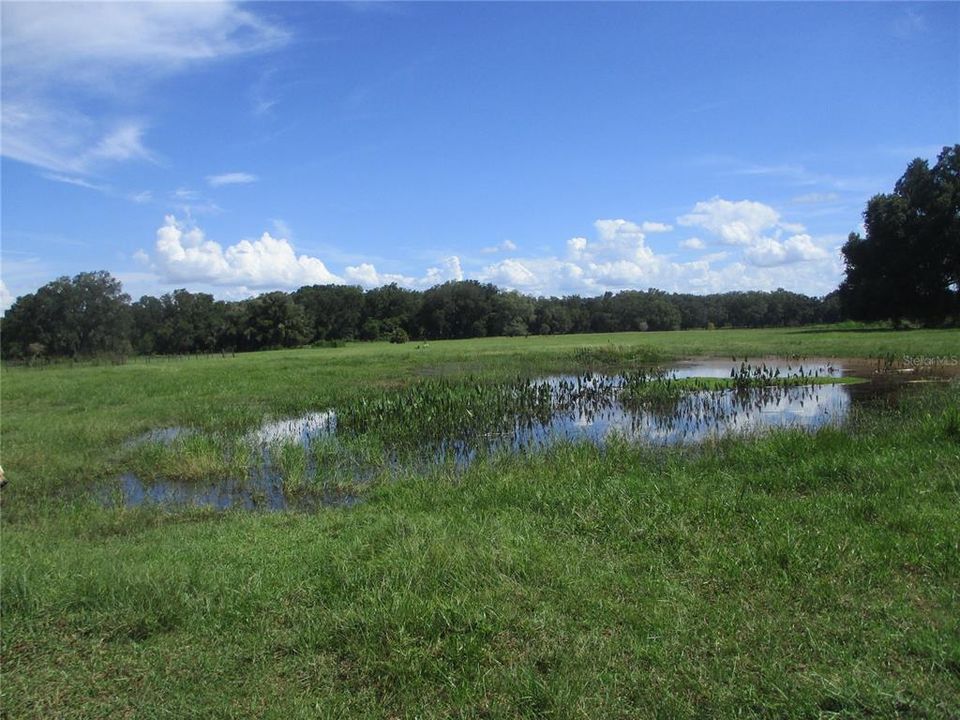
column 59, row 59
column 231, row 178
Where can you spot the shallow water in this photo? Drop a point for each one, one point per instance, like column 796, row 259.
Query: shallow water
column 585, row 408
column 255, row 493
column 164, row 436
column 304, row 429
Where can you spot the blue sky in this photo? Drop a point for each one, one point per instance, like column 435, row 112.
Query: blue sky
column 549, row 147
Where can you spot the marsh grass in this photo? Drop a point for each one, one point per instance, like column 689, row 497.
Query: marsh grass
column 792, row 575
column 615, row 356
column 290, row 462
column 951, row 423
column 438, row 421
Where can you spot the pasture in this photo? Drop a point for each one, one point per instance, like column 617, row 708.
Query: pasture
column 785, row 573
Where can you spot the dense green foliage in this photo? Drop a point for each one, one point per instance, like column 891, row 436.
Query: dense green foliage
column 908, row 264
column 184, row 322
column 796, row 575
column 85, row 315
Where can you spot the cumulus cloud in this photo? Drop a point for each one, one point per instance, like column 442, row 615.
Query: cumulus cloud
column 367, row 275
column 184, row 254
column 232, row 178
column 620, row 240
column 538, row 276
column 614, row 257
column 797, row 248
column 618, row 257
column 737, row 223
column 756, row 228
column 512, row 273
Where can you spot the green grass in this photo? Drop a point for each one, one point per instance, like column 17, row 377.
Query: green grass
column 794, row 575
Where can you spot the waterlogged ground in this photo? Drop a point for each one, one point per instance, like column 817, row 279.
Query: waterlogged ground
column 317, row 459
column 795, row 575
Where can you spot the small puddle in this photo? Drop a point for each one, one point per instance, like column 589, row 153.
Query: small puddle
column 163, row 436
column 303, row 430
column 252, row 494
column 440, row 423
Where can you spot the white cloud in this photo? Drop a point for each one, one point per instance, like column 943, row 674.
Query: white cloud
column 538, row 276
column 618, row 240
column 737, row 223
column 505, row 246
column 57, row 57
column 6, row 297
column 798, row 248
column 88, row 40
column 184, row 254
column 449, row 270
column 66, row 142
column 619, row 231
column 576, row 246
column 619, row 258
column 512, row 273
column 815, row 198
column 124, row 142
column 616, row 257
column 758, row 229
column 713, row 257
column 233, row 178
column 78, row 181
column 693, row 243
column 366, row 274
column 656, row 227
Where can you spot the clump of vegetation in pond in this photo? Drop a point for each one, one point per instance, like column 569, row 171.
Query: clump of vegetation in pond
column 751, row 376
column 291, row 463
column 443, row 420
column 616, row 356
column 437, row 409
column 651, row 389
column 191, row 457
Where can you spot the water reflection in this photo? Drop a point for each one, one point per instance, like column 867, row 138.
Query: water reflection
column 590, row 408
column 258, row 492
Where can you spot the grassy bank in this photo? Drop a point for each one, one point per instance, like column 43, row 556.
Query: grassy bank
column 61, row 426
column 794, row 575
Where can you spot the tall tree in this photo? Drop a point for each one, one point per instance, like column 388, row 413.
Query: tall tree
column 333, row 312
column 908, row 264
column 83, row 315
column 274, row 320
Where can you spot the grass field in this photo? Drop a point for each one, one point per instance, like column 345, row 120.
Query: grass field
column 791, row 575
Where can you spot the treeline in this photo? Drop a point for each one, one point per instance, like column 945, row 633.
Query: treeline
column 90, row 314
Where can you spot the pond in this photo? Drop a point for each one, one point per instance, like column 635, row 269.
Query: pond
column 452, row 423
